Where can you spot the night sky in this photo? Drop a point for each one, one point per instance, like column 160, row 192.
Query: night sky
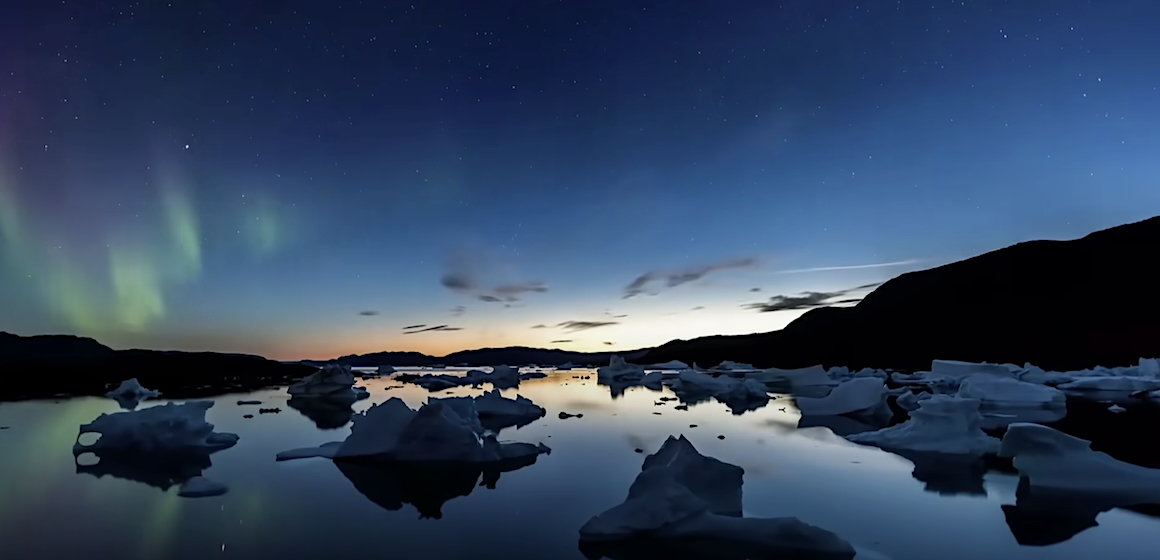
column 305, row 179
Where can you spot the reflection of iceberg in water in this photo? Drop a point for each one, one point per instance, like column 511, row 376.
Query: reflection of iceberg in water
column 427, row 486
column 328, row 413
column 947, row 474
column 849, row 424
column 161, row 472
column 1043, row 517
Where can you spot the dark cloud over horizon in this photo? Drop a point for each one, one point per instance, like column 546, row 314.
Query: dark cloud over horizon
column 438, row 328
column 807, row 300
column 576, row 326
column 666, row 280
column 368, row 313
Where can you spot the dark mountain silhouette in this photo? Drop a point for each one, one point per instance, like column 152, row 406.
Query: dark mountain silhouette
column 1061, row 305
column 42, row 366
column 513, row 355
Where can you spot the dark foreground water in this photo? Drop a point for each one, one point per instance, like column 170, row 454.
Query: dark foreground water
column 312, row 509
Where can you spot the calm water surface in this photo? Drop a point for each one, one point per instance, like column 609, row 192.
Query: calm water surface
column 312, row 509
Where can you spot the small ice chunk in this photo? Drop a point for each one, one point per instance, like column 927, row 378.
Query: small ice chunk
column 1050, row 459
column 492, row 403
column 861, row 393
column 131, row 388
column 243, row 403
column 991, row 389
column 1117, row 409
column 942, row 424
column 385, row 370
column 566, row 366
column 683, row 496
column 671, row 364
column 200, row 487
column 1117, row 383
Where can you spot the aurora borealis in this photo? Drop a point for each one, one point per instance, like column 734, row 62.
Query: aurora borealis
column 303, row 179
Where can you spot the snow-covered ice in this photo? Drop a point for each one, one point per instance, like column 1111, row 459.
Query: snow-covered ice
column 439, row 431
column 997, row 390
column 941, row 424
column 858, row 394
column 1050, row 459
column 200, row 487
column 169, row 428
column 681, row 494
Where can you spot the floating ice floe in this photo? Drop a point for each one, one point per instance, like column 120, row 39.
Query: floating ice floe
column 500, row 377
column 199, row 487
column 941, row 424
column 997, row 390
column 385, row 370
column 840, row 374
column 728, row 366
column 532, row 375
column 619, row 370
column 738, row 394
column 855, row 395
column 1118, row 383
column 1117, row 409
column 169, row 428
column 333, row 380
column 497, row 412
column 671, row 364
column 908, row 400
column 803, row 377
column 566, row 366
column 130, row 393
column 1052, row 460
column 439, row 431
column 683, row 496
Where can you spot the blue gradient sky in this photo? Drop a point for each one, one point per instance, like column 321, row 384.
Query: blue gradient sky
column 252, row 176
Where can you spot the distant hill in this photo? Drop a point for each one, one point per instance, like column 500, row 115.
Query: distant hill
column 41, row 366
column 512, row 355
column 1057, row 304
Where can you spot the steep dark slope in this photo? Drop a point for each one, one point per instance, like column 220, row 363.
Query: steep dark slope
column 1057, row 304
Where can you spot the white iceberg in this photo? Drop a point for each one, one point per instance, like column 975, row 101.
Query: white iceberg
column 744, row 393
column 671, row 364
column 331, row 380
column 802, row 377
column 681, row 494
column 492, row 403
column 858, row 394
column 1052, row 460
column 1116, row 383
column 130, row 393
column 169, row 428
column 619, row 370
column 997, row 390
column 200, row 487
column 442, row 430
column 942, row 424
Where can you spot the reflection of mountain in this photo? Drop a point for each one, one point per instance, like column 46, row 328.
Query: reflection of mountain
column 328, row 413
column 1042, row 517
column 424, row 485
column 157, row 470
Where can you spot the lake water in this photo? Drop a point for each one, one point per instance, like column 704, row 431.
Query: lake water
column 312, row 509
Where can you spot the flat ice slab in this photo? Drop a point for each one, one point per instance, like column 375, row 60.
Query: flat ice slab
column 990, row 389
column 1117, row 383
column 941, row 424
column 683, row 496
column 858, row 394
column 200, row 487
column 671, row 364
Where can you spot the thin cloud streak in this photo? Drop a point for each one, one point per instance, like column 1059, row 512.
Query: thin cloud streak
column 848, row 267
column 439, row 328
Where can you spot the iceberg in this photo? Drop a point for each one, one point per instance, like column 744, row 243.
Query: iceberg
column 333, row 380
column 858, row 394
column 738, row 394
column 953, row 369
column 1117, row 409
column 566, row 366
column 991, row 389
column 942, row 424
column 671, row 364
column 908, row 400
column 1054, row 461
column 130, row 393
column 494, row 411
column 1112, row 383
column 500, row 377
column 199, row 487
column 385, row 370
column 683, row 496
column 439, row 431
column 803, row 377
column 619, row 370
column 169, row 428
